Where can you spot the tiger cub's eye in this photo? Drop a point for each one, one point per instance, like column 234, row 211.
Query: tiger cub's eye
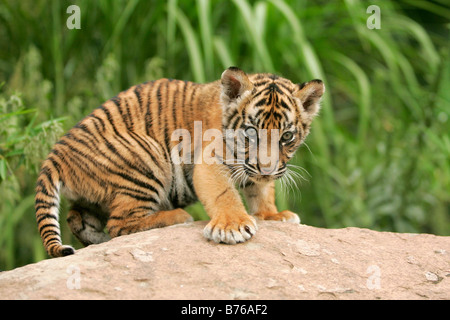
column 287, row 136
column 251, row 133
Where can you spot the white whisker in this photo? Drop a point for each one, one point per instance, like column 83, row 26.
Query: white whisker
column 312, row 154
column 289, row 181
column 298, row 173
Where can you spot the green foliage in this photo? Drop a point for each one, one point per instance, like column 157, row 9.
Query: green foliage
column 22, row 146
column 378, row 155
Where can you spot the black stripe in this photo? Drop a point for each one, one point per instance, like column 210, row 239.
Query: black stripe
column 63, row 158
column 276, row 116
column 89, row 135
column 234, row 124
column 53, row 245
column 159, row 97
column 54, row 163
column 48, row 225
column 82, row 126
column 141, row 142
column 117, row 153
column 45, row 216
column 49, row 242
column 102, row 123
column 192, row 98
column 100, row 120
column 111, row 121
column 46, row 171
column 284, row 105
column 285, row 87
column 42, row 207
column 144, row 208
column 289, row 123
column 116, row 100
column 166, row 119
column 261, row 83
column 50, row 204
column 140, row 209
column 128, row 116
column 96, row 178
column 149, row 116
column 139, row 197
column 124, row 113
column 274, row 87
column 73, row 158
column 183, row 101
column 119, row 217
column 79, row 137
column 148, row 122
column 258, row 113
column 265, row 117
column 121, row 174
column 269, row 102
column 41, row 187
column 221, row 194
column 256, row 95
column 129, row 146
column 157, row 110
column 145, row 173
column 261, row 102
column 174, row 105
column 137, row 92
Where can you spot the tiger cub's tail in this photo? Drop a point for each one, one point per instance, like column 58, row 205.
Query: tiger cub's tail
column 47, row 211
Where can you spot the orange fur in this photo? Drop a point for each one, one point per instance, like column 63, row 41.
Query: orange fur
column 115, row 165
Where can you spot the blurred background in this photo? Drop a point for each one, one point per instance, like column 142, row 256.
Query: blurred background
column 378, row 156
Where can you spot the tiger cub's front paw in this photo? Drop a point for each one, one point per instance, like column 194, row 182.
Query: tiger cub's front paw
column 230, row 228
column 285, row 215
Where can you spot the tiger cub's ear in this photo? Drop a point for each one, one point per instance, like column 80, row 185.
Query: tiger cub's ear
column 234, row 83
column 309, row 94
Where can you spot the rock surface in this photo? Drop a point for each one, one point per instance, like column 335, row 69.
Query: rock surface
column 282, row 261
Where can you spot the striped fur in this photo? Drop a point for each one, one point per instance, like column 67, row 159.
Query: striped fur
column 115, row 167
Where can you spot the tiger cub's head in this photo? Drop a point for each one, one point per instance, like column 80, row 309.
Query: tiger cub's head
column 270, row 117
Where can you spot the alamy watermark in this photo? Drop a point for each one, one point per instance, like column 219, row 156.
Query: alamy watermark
column 74, row 20
column 374, row 20
column 374, row 280
column 229, row 146
column 74, row 280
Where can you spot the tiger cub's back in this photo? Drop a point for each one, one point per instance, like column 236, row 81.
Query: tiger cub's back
column 123, row 149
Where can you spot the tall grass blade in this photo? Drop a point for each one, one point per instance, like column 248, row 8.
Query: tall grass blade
column 193, row 47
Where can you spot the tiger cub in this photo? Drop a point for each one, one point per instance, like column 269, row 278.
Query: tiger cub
column 116, row 167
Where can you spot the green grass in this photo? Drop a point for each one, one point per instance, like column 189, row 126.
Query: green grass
column 379, row 153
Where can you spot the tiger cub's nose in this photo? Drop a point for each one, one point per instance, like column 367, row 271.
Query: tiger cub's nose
column 267, row 170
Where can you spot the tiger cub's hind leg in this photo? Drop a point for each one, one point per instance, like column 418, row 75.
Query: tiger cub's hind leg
column 118, row 225
column 87, row 226
column 135, row 216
